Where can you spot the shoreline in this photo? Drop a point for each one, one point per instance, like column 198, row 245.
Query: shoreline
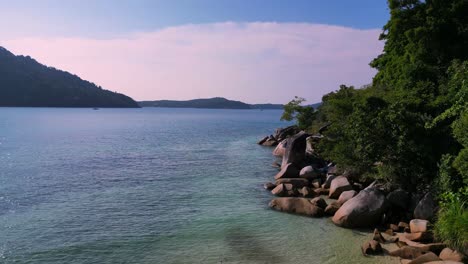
column 400, row 219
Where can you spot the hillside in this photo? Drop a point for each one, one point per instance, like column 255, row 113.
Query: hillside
column 25, row 82
column 210, row 103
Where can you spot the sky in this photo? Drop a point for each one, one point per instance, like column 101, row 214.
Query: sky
column 256, row 51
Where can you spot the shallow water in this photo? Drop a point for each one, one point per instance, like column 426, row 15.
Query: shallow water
column 151, row 186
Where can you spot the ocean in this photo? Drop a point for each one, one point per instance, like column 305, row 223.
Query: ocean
column 151, row 185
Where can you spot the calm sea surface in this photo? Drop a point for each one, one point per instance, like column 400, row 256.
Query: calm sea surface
column 150, row 186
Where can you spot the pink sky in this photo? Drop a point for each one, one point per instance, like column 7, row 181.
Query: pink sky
column 251, row 62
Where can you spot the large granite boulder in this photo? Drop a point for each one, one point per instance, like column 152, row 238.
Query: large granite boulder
column 418, row 225
column 345, row 196
column 281, row 148
column 399, row 198
column 270, row 142
column 296, row 182
column 283, row 133
column 308, row 172
column 307, row 192
column 287, row 171
column 363, row 210
column 284, row 189
column 300, row 206
column 332, row 208
column 451, row 255
column 327, row 183
column 295, row 150
column 338, row 185
column 319, row 201
column 426, row 208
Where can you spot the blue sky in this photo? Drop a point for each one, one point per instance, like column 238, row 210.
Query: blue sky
column 98, row 18
column 237, row 49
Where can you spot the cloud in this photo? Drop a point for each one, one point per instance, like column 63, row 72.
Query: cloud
column 252, row 62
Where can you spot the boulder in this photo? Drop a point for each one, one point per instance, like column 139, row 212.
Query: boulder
column 345, row 196
column 426, row 208
column 295, row 150
column 332, row 208
column 419, row 236
column 321, row 191
column 276, row 165
column 310, row 145
column 418, row 225
column 394, row 227
column 296, row 182
column 287, row 171
column 281, row 148
column 270, row 142
column 403, row 227
column 399, row 198
column 308, row 172
column 428, row 257
column 300, row 206
column 327, row 183
column 407, row 252
column 363, row 210
column 269, row 186
column 262, row 140
column 283, row 133
column 449, row 254
column 316, row 183
column 320, row 202
column 307, row 192
column 332, row 169
column 377, row 236
column 282, row 190
column 372, row 248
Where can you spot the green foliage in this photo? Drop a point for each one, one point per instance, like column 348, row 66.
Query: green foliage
column 294, row 110
column 451, row 226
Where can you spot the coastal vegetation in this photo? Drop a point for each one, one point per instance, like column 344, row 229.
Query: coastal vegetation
column 408, row 129
column 27, row 83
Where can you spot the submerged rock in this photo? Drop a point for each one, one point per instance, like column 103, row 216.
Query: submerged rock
column 300, row 206
column 372, row 248
column 269, row 186
column 363, row 210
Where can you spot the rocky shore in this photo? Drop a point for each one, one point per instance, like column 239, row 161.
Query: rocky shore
column 401, row 220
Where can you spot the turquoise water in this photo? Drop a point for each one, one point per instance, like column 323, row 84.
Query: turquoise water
column 150, row 186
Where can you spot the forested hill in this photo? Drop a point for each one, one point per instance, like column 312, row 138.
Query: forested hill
column 210, row 103
column 26, row 82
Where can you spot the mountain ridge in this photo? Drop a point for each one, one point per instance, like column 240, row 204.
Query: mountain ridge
column 24, row 82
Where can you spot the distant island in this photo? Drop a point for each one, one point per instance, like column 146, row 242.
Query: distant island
column 211, row 103
column 25, row 82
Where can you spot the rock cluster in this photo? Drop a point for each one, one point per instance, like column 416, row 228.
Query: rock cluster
column 304, row 177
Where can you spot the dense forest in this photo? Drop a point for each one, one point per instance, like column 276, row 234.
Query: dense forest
column 409, row 128
column 210, row 103
column 25, row 82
